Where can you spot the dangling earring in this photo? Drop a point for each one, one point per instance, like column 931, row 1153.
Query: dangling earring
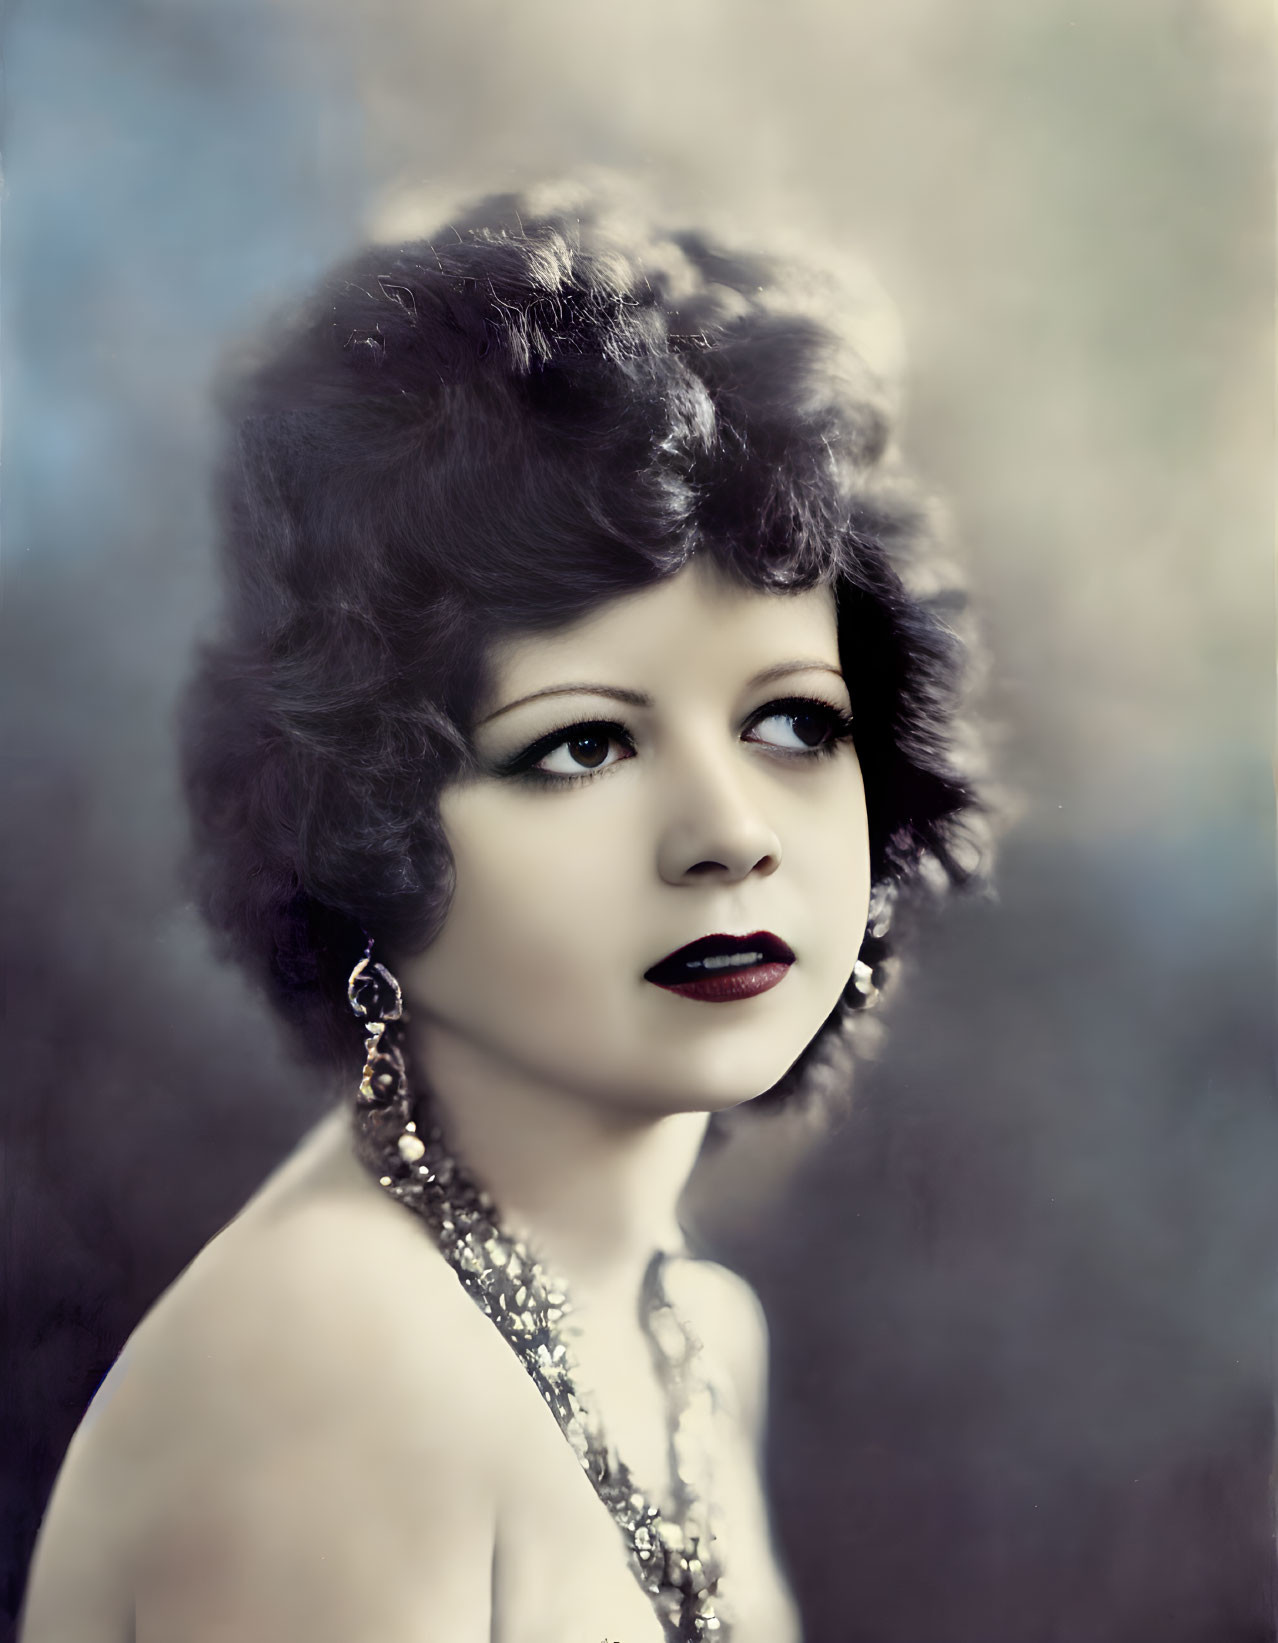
column 378, row 1000
column 877, row 924
column 879, row 921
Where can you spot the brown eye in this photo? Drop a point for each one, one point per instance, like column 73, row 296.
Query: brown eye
column 800, row 727
column 588, row 750
column 810, row 728
column 577, row 755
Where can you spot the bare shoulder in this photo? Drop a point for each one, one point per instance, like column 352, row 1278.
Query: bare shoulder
column 728, row 1315
column 307, row 1416
column 322, row 1299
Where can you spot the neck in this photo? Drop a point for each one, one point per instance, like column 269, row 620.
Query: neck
column 594, row 1189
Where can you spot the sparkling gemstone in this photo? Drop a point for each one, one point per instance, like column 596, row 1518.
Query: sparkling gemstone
column 528, row 1308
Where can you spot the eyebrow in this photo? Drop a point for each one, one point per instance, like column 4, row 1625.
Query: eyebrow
column 637, row 698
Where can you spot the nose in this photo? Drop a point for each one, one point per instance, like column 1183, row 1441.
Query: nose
column 712, row 822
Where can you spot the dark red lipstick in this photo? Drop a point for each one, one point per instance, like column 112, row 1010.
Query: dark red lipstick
column 720, row 968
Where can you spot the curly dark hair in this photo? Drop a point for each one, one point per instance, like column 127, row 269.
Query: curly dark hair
column 491, row 433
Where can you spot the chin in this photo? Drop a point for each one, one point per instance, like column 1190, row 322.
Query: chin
column 708, row 1101
column 724, row 1082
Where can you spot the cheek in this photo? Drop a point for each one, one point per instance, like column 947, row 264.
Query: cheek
column 834, row 860
column 839, row 891
column 537, row 904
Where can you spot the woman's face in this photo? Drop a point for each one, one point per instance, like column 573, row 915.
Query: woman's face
column 672, row 766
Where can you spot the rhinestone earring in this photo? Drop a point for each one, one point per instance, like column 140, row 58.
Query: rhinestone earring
column 378, row 1000
column 877, row 924
column 879, row 920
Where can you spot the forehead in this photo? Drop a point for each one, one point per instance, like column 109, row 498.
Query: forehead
column 697, row 622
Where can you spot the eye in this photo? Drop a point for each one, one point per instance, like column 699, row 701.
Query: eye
column 571, row 753
column 801, row 726
column 585, row 750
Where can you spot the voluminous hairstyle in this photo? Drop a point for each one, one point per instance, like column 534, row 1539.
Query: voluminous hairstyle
column 491, row 433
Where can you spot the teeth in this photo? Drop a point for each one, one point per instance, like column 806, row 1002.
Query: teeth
column 722, row 961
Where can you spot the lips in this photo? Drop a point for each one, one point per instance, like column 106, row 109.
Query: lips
column 718, row 957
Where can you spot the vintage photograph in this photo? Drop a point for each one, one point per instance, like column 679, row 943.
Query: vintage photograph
column 638, row 896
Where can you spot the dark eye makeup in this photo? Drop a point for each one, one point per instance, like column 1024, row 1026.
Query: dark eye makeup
column 808, row 716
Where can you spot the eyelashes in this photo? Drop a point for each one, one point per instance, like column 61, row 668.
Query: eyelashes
column 832, row 725
column 522, row 766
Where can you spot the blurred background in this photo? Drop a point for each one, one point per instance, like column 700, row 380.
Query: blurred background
column 1021, row 1303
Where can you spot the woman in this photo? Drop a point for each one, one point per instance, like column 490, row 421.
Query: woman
column 572, row 729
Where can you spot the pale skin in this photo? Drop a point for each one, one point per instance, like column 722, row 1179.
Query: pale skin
column 315, row 1435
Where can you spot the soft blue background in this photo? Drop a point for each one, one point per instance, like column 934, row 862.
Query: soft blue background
column 1022, row 1303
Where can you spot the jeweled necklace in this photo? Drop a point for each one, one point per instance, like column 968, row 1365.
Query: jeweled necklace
column 671, row 1554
